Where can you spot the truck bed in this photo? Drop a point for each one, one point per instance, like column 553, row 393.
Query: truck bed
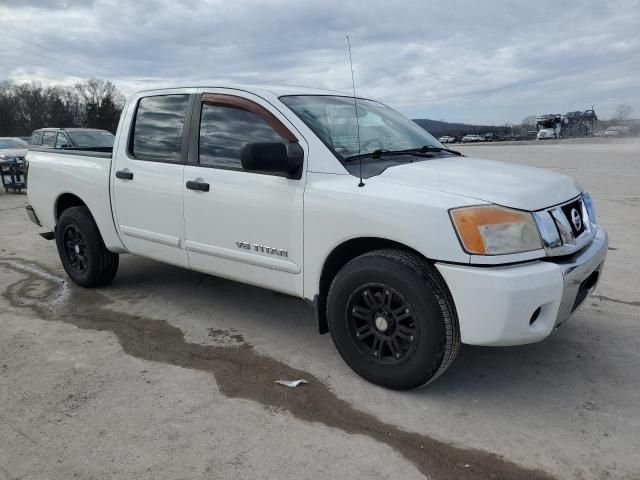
column 68, row 176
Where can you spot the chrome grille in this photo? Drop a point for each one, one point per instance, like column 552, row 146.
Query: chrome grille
column 570, row 222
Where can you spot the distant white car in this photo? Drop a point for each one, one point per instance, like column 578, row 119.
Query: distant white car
column 12, row 153
column 616, row 131
column 13, row 149
column 447, row 139
column 472, row 138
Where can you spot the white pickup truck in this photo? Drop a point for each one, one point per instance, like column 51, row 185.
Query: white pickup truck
column 405, row 248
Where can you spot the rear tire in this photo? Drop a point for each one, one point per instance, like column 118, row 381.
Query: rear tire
column 392, row 319
column 82, row 251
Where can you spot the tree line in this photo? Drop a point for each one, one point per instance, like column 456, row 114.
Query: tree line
column 25, row 107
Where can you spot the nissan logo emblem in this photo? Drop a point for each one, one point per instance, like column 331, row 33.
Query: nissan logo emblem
column 576, row 219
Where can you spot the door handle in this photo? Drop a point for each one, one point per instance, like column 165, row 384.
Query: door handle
column 124, row 175
column 201, row 186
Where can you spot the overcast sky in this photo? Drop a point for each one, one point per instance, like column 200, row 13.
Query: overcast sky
column 472, row 61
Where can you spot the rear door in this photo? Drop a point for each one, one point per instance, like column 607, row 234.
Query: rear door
column 147, row 179
column 247, row 225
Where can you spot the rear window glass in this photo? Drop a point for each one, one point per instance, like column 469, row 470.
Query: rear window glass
column 9, row 143
column 36, row 139
column 158, row 127
column 49, row 139
column 61, row 141
column 94, row 139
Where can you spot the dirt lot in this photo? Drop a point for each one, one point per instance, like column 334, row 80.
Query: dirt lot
column 169, row 374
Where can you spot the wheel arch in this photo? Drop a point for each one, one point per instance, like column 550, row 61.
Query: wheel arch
column 340, row 256
column 65, row 201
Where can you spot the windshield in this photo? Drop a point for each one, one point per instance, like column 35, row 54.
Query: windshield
column 91, row 139
column 7, row 143
column 333, row 119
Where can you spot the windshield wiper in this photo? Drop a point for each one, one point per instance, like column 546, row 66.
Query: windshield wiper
column 433, row 148
column 423, row 151
column 387, row 153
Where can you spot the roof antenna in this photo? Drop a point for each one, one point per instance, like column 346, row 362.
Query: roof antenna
column 355, row 104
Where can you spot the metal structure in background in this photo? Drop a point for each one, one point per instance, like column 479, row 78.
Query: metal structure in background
column 571, row 124
column 13, row 175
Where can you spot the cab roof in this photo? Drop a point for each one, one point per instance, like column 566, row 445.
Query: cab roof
column 272, row 90
column 71, row 129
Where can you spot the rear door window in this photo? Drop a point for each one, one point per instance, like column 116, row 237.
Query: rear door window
column 158, row 128
column 36, row 138
column 49, row 139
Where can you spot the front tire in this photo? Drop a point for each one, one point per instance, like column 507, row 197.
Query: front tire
column 392, row 319
column 82, row 251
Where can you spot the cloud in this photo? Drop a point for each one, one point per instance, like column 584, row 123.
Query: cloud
column 485, row 62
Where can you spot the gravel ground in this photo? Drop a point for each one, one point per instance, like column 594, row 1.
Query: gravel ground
column 168, row 373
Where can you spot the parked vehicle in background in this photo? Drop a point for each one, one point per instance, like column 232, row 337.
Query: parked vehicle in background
column 12, row 163
column 580, row 123
column 13, row 149
column 530, row 135
column 549, row 126
column 73, row 138
column 472, row 138
column 572, row 124
column 447, row 139
column 616, row 131
column 405, row 247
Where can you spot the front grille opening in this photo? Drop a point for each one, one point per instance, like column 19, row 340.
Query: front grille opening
column 571, row 209
column 535, row 316
column 585, row 287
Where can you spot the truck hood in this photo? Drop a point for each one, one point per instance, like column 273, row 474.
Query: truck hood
column 507, row 184
column 13, row 152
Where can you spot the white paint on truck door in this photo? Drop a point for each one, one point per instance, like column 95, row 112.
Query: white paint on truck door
column 148, row 178
column 248, row 225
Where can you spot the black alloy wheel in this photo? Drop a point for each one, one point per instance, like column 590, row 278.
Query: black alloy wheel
column 82, row 251
column 75, row 247
column 383, row 324
column 392, row 318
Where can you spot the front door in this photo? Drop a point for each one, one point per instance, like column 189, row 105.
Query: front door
column 148, row 178
column 242, row 225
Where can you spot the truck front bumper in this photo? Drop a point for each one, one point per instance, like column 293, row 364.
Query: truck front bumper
column 518, row 304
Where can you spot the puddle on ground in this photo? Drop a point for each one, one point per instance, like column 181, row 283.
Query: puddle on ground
column 242, row 372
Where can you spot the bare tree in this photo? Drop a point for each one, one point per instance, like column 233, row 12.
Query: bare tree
column 529, row 121
column 102, row 103
column 29, row 106
column 623, row 111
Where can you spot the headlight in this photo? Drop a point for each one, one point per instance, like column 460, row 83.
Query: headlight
column 493, row 230
column 588, row 204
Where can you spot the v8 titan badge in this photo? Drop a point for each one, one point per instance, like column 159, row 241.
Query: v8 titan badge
column 262, row 248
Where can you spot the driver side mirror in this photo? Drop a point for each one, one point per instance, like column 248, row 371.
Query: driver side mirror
column 274, row 157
